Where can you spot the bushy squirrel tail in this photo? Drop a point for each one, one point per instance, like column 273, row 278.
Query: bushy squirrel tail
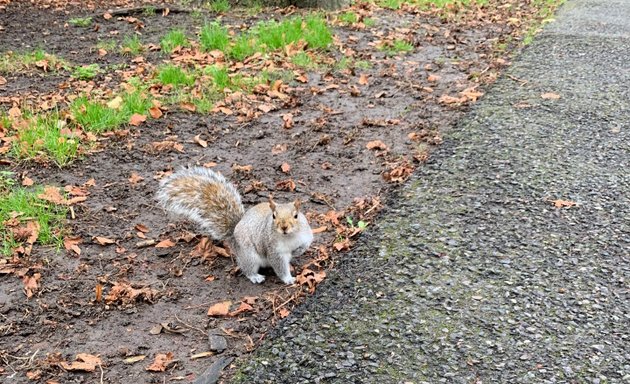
column 203, row 197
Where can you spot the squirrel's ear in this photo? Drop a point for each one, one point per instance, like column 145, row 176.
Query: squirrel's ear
column 297, row 204
column 272, row 205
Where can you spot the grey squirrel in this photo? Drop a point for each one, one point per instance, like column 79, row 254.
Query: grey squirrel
column 266, row 235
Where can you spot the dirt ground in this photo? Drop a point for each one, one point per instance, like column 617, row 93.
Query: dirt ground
column 408, row 102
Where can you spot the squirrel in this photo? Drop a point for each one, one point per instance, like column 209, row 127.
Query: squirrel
column 268, row 234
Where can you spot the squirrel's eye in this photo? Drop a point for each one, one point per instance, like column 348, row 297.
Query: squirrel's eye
column 295, row 216
column 274, row 215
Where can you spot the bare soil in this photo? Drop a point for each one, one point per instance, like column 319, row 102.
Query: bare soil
column 331, row 166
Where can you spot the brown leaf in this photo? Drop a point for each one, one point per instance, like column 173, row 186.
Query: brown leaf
column 563, row 203
column 52, row 195
column 102, row 52
column 142, row 228
column 243, row 307
column 161, row 362
column 320, row 229
column 363, row 79
column 376, row 144
column 165, row 244
column 124, row 293
column 115, row 103
column 288, row 120
column 27, row 182
column 265, row 107
column 3, row 80
column 279, row 148
column 285, row 167
column 283, row 312
column 15, row 113
column 72, row 244
column 200, row 141
column 83, row 362
column 107, row 16
column 446, row 99
column 188, row 106
column 433, row 78
column 166, row 146
column 98, row 293
column 209, row 164
column 31, row 284
column 103, row 240
column 220, row 309
column 286, row 185
column 134, row 359
column 550, row 96
column 155, row 112
column 342, row 245
column 135, row 178
column 241, row 168
column 137, row 119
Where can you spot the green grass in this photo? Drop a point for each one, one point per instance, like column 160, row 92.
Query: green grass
column 220, row 77
column 86, row 72
column 149, row 10
column 137, row 101
column 396, row 47
column 94, row 116
column 108, row 45
column 173, row 75
column 304, row 60
column 46, row 136
column 369, row 22
column 173, row 39
column 348, row 18
column 253, row 7
column 313, row 30
column 131, row 45
column 14, row 62
column 83, row 22
column 219, row 6
column 26, row 206
column 244, row 46
column 214, row 36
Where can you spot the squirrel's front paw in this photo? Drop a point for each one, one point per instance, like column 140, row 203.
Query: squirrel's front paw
column 257, row 278
column 288, row 280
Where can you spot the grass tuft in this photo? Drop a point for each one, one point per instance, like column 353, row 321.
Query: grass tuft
column 173, row 75
column 24, row 205
column 131, row 45
column 86, row 72
column 46, row 136
column 219, row 6
column 214, row 36
column 83, row 22
column 173, row 39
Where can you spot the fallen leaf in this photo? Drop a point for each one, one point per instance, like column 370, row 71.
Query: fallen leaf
column 134, row 359
column 265, row 107
column 161, row 362
column 52, row 195
column 142, row 228
column 3, row 80
column 283, row 312
column 285, row 167
column 241, row 168
column 15, row 113
column 98, row 293
column 188, row 106
column 200, row 141
column 550, row 96
column 83, row 362
column 103, row 240
column 27, row 182
column 376, row 144
column 115, row 103
column 155, row 112
column 137, row 119
column 563, row 203
column 286, row 185
column 363, row 79
column 31, row 284
column 320, row 229
column 220, row 309
column 279, row 148
column 72, row 244
column 243, row 307
column 135, row 178
column 288, row 120
column 433, row 78
column 124, row 293
column 165, row 244
column 107, row 16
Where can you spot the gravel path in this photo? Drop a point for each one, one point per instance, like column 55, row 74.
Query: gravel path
column 474, row 276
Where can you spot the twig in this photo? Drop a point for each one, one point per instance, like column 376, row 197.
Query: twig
column 135, row 10
column 521, row 81
column 190, row 326
column 99, row 365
